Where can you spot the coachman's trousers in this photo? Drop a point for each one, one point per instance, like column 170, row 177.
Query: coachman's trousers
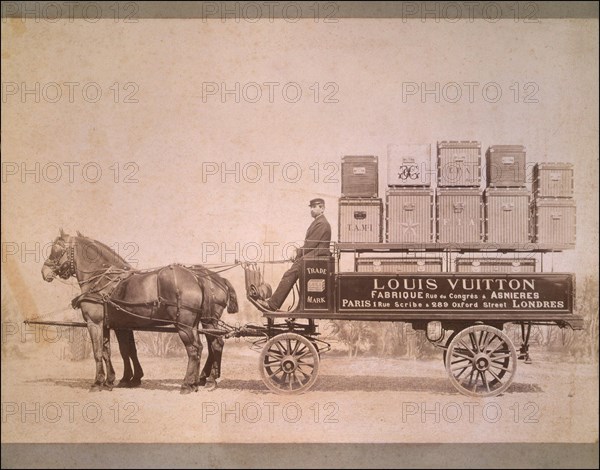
column 285, row 285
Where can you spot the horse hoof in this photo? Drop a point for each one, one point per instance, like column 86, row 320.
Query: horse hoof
column 202, row 382
column 96, row 388
column 135, row 383
column 210, row 386
column 123, row 384
column 185, row 391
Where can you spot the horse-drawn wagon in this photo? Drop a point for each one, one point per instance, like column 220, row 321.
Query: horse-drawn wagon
column 461, row 313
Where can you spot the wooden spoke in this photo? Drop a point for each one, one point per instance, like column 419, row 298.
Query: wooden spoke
column 279, row 369
column 307, row 364
column 464, row 356
column 466, row 348
column 461, row 372
column 295, row 350
column 302, row 372
column 501, row 356
column 277, row 352
column 474, row 342
column 484, row 380
column 493, row 374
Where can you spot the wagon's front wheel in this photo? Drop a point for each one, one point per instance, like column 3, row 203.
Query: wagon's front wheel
column 481, row 361
column 289, row 364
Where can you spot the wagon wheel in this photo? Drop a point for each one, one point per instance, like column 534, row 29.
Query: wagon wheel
column 453, row 335
column 481, row 361
column 289, row 364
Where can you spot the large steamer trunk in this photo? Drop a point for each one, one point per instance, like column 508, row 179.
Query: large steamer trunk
column 459, row 163
column 360, row 176
column 410, row 215
column 505, row 166
column 494, row 265
column 459, row 217
column 360, row 220
column 409, row 165
column 399, row 265
column 507, row 215
column 553, row 180
column 555, row 222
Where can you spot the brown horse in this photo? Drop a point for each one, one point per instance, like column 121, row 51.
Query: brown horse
column 115, row 296
column 219, row 293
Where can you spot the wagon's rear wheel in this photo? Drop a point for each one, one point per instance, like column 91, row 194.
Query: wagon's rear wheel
column 289, row 364
column 481, row 361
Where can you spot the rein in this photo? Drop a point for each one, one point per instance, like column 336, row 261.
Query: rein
column 98, row 277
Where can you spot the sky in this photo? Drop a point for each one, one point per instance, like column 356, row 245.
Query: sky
column 203, row 141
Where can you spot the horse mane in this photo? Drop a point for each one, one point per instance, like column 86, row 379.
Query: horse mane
column 104, row 250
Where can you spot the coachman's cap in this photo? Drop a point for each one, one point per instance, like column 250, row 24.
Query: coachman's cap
column 314, row 202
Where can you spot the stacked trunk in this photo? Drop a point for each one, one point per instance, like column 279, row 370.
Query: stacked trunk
column 360, row 209
column 409, row 197
column 459, row 202
column 506, row 197
column 553, row 207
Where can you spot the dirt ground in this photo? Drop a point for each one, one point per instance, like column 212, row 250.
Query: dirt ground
column 46, row 398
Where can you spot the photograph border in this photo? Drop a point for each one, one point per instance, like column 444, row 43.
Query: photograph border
column 308, row 455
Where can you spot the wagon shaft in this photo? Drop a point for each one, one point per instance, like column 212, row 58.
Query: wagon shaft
column 157, row 329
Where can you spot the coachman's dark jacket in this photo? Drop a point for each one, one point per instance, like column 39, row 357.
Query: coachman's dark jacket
column 317, row 239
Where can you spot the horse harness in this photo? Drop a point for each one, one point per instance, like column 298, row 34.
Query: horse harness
column 102, row 292
column 65, row 269
column 99, row 294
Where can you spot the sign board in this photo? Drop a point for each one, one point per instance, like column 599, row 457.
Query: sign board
column 514, row 292
column 316, row 277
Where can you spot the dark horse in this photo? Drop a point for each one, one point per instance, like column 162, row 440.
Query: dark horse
column 115, row 296
column 218, row 294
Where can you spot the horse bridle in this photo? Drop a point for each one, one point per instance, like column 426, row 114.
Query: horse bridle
column 64, row 269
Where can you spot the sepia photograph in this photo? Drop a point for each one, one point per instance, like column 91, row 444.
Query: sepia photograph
column 300, row 234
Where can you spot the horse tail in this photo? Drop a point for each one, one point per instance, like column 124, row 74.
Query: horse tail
column 232, row 301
